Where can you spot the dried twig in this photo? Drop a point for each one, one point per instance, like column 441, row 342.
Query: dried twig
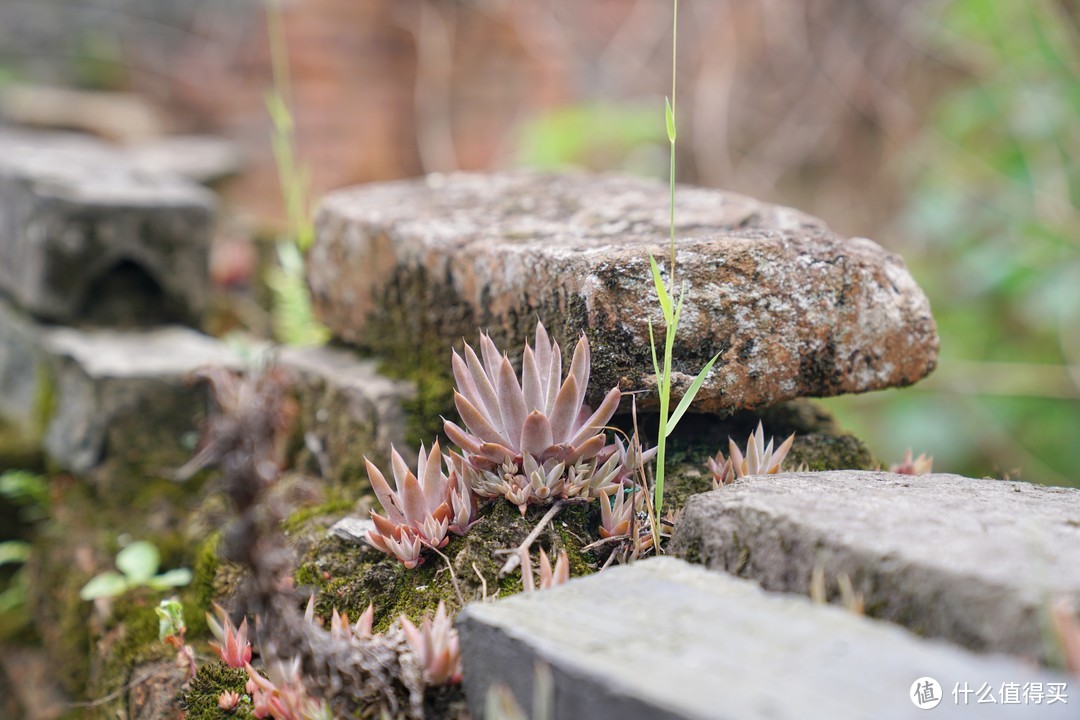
column 515, row 558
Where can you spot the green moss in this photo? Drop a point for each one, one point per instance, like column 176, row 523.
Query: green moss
column 830, row 452
column 200, row 595
column 348, row 576
column 129, row 638
column 302, row 519
column 199, row 700
column 44, row 397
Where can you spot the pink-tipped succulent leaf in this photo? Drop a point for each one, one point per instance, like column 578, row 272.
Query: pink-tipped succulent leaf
column 616, row 518
column 759, row 459
column 232, row 642
column 549, row 576
column 435, row 643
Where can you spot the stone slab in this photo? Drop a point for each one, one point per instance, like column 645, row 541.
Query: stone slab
column 793, row 309
column 348, row 409
column 85, row 236
column 203, row 159
column 661, row 639
column 128, row 398
column 973, row 561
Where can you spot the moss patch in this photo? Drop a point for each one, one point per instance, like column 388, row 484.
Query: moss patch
column 348, row 576
column 200, row 700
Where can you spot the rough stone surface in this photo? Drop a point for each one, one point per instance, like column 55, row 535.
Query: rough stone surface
column 793, row 309
column 128, row 397
column 973, row 561
column 87, row 237
column 347, row 410
column 663, row 639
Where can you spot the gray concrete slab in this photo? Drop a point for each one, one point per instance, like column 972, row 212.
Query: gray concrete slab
column 663, row 639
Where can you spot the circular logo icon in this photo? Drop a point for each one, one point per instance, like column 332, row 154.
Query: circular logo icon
column 925, row 693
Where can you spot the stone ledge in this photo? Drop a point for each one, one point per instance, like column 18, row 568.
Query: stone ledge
column 972, row 561
column 794, row 309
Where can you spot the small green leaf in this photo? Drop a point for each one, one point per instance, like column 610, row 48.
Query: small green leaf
column 689, row 396
column 661, row 290
column 669, row 114
column 24, row 488
column 107, row 584
column 170, row 618
column 14, row 552
column 139, row 561
column 172, row 578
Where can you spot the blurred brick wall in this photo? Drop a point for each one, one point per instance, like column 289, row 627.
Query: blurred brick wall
column 806, row 103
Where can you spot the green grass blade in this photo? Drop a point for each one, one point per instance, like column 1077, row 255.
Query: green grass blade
column 669, row 115
column 678, row 312
column 652, row 346
column 689, row 396
column 661, row 290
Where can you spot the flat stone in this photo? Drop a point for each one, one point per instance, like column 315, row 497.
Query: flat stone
column 352, row 529
column 347, row 410
column 793, row 309
column 126, row 399
column 203, row 159
column 664, row 639
column 87, row 237
column 973, row 561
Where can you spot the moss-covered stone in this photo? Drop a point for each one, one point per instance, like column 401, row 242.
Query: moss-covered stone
column 129, row 638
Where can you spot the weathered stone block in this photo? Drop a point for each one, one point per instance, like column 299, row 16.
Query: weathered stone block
column 347, row 410
column 663, row 639
column 973, row 561
column 128, row 397
column 793, row 309
column 85, row 236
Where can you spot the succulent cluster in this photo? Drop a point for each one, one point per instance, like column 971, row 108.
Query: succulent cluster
column 909, row 465
column 281, row 694
column 549, row 576
column 759, row 459
column 532, row 441
column 435, row 643
column 422, row 508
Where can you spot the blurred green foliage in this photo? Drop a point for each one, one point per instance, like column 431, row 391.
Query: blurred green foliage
column 995, row 192
column 597, row 136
